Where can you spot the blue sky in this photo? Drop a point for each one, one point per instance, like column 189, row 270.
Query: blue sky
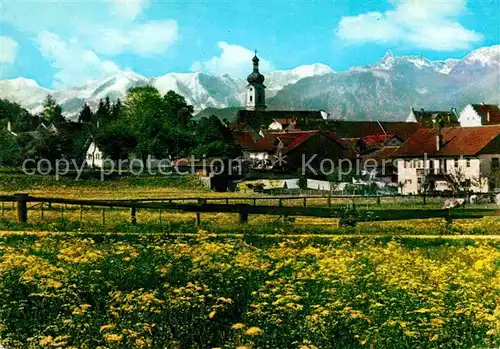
column 62, row 43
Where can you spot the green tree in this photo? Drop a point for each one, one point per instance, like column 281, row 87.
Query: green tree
column 86, row 115
column 146, row 118
column 178, row 112
column 103, row 113
column 116, row 141
column 117, row 110
column 10, row 152
column 52, row 112
column 212, row 138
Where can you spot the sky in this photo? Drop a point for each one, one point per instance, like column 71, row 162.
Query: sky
column 64, row 43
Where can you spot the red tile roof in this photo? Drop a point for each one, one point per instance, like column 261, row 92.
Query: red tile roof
column 380, row 155
column 456, row 141
column 373, row 140
column 483, row 109
column 245, row 139
column 289, row 140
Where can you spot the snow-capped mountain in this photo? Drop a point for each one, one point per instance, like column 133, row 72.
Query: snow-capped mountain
column 276, row 80
column 202, row 90
column 26, row 92
column 113, row 86
column 385, row 90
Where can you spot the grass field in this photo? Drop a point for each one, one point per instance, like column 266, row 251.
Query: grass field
column 71, row 280
column 62, row 218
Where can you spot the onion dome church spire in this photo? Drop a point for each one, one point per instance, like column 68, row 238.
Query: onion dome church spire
column 256, row 95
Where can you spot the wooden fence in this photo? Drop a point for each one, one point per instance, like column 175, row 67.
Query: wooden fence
column 348, row 215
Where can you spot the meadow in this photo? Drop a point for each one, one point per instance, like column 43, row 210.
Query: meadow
column 151, row 291
column 73, row 218
column 75, row 281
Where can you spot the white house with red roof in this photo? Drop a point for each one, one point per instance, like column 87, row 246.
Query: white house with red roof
column 437, row 160
column 479, row 115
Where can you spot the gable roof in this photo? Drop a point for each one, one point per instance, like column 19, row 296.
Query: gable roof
column 360, row 129
column 377, row 140
column 381, row 154
column 456, row 141
column 484, row 109
column 426, row 116
column 287, row 141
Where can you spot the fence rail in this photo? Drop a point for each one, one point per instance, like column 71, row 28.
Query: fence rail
column 348, row 215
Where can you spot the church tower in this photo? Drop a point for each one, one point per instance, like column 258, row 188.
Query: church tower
column 256, row 91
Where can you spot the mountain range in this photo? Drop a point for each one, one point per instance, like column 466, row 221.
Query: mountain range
column 383, row 91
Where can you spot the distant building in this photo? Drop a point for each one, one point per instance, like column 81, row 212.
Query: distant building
column 286, row 150
column 479, row 115
column 426, row 117
column 432, row 160
column 94, row 156
column 256, row 90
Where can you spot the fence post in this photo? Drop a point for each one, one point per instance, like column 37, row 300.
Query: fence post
column 378, row 200
column 22, row 207
column 41, row 210
column 425, row 198
column 243, row 216
column 449, row 221
column 305, row 202
column 198, row 214
column 133, row 214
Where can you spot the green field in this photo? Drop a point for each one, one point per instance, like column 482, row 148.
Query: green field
column 71, row 280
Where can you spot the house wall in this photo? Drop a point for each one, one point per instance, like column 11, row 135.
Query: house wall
column 469, row 118
column 318, row 146
column 94, row 157
column 275, row 126
column 411, row 172
column 260, row 156
column 411, row 117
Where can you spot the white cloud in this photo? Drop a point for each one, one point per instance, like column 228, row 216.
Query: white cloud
column 234, row 60
column 75, row 64
column 426, row 24
column 8, row 50
column 153, row 37
column 128, row 9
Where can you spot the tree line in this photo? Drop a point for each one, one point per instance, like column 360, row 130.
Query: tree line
column 144, row 124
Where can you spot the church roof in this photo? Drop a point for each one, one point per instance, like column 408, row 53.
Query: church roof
column 256, row 77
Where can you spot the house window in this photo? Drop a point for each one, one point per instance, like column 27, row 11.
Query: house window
column 468, row 162
column 251, row 98
column 495, row 163
column 456, row 163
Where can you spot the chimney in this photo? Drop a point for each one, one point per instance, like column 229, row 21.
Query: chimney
column 439, row 140
column 488, row 116
column 9, row 126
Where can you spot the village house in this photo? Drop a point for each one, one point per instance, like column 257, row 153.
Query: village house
column 450, row 159
column 94, row 158
column 479, row 114
column 287, row 150
column 426, row 117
